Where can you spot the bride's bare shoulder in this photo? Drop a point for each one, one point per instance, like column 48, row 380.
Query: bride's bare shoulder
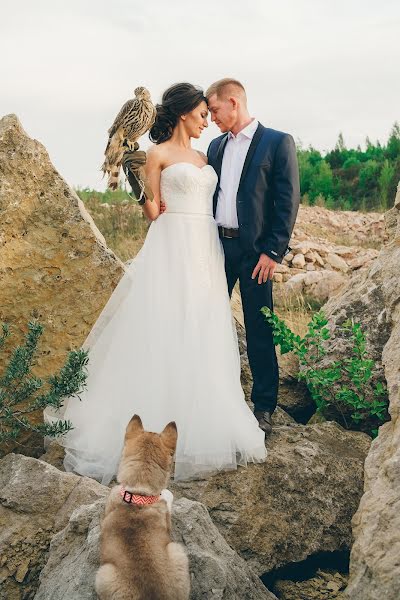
column 156, row 155
column 202, row 155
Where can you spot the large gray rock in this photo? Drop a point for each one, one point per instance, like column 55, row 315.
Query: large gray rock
column 36, row 501
column 74, row 557
column 53, row 258
column 296, row 504
column 50, row 527
column 315, row 285
column 374, row 299
column 217, row 572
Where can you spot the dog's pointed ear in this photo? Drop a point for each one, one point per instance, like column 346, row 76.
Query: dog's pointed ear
column 169, row 436
column 134, row 427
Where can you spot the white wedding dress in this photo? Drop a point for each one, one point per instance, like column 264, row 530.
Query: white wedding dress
column 164, row 347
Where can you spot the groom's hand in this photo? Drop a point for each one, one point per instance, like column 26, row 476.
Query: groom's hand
column 264, row 269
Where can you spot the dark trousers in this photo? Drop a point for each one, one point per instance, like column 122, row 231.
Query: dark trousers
column 260, row 345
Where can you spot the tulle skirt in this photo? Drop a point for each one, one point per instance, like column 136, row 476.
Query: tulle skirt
column 164, row 347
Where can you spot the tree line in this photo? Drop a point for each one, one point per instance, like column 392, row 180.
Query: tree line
column 351, row 179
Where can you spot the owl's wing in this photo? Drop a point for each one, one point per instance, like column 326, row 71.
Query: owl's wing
column 153, row 116
column 130, row 105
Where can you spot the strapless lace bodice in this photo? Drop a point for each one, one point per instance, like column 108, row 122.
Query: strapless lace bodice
column 188, row 189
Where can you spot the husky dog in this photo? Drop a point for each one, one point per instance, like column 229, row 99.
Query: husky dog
column 138, row 559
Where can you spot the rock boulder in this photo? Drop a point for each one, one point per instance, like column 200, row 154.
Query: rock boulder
column 53, row 258
column 298, row 503
column 36, row 501
column 373, row 299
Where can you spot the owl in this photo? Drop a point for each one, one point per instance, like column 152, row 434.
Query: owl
column 133, row 120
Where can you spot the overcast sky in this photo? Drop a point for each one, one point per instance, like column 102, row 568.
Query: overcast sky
column 310, row 67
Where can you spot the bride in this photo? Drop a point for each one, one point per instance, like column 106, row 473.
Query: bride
column 164, row 346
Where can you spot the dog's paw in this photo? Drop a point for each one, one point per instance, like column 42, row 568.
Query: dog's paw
column 168, row 497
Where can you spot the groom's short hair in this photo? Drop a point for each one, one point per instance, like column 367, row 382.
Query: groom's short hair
column 226, row 87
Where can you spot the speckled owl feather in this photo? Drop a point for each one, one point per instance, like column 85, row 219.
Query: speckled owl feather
column 133, row 120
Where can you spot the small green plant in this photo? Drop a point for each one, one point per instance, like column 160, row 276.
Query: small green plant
column 345, row 385
column 22, row 393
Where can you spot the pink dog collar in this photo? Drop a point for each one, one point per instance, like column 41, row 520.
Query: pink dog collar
column 131, row 498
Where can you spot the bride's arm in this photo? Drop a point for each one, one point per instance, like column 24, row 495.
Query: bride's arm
column 151, row 208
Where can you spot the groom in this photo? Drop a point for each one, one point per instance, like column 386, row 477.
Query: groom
column 255, row 206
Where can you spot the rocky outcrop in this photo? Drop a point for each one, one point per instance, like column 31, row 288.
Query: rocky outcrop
column 50, row 524
column 374, row 299
column 326, row 248
column 311, row 256
column 53, row 258
column 298, row 503
column 348, row 227
column 317, row 285
column 216, row 570
column 36, row 501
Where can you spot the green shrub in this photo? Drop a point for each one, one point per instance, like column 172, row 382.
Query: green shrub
column 351, row 162
column 22, row 393
column 343, row 387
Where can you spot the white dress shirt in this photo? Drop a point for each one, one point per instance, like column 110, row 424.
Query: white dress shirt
column 235, row 153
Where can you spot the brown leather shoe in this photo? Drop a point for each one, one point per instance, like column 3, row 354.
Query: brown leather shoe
column 264, row 420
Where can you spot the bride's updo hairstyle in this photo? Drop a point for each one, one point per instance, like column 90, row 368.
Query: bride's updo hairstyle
column 177, row 100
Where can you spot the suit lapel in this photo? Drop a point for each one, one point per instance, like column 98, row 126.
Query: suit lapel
column 218, row 167
column 220, row 155
column 250, row 152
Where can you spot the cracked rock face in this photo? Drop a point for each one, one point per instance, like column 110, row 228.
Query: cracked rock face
column 374, row 299
column 296, row 504
column 54, row 263
column 36, row 501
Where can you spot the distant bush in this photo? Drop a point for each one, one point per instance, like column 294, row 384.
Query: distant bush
column 109, row 196
column 351, row 179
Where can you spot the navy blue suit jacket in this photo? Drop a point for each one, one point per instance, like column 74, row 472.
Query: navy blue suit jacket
column 269, row 191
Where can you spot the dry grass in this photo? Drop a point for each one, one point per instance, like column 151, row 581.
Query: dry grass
column 296, row 312
column 122, row 225
column 340, row 237
column 348, row 239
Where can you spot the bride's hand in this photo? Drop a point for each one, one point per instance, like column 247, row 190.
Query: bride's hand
column 163, row 207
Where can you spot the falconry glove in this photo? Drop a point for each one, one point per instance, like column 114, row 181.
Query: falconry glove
column 133, row 163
